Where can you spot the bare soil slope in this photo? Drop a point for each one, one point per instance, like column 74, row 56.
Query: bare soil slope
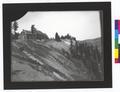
column 35, row 60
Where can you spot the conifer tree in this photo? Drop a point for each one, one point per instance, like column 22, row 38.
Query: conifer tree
column 15, row 26
column 57, row 37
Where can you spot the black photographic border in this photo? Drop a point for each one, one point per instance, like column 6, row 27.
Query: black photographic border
column 15, row 11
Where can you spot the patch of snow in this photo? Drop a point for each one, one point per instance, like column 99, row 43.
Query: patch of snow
column 67, row 42
column 58, row 76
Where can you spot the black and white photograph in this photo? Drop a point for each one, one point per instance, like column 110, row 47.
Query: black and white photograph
column 57, row 46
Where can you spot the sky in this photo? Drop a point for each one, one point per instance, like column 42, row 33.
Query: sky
column 80, row 24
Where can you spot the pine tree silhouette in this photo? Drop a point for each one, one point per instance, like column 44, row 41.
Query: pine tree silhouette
column 57, row 37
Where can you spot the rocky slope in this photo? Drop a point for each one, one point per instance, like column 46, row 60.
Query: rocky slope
column 35, row 60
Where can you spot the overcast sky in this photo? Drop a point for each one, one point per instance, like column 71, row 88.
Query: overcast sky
column 80, row 24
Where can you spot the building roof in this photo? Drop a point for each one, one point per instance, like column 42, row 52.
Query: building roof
column 26, row 32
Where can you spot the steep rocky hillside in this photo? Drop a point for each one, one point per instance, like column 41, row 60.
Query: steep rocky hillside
column 95, row 42
column 35, row 60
